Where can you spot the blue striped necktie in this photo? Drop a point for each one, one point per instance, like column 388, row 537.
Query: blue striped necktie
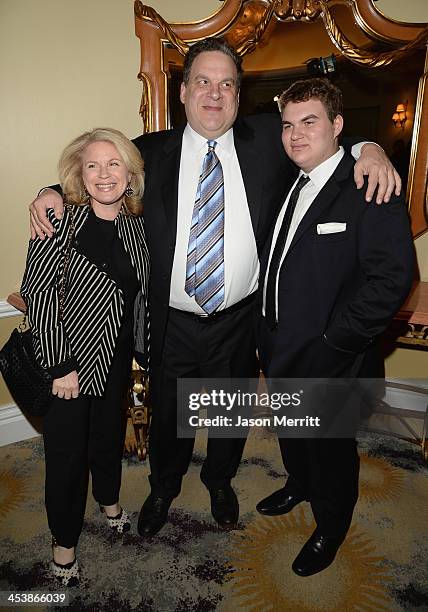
column 205, row 253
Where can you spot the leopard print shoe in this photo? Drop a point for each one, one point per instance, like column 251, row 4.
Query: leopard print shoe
column 67, row 575
column 120, row 523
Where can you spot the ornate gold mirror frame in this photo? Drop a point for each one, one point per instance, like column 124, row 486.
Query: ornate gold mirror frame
column 245, row 23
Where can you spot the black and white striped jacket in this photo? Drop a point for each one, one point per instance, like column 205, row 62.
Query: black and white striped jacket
column 93, row 306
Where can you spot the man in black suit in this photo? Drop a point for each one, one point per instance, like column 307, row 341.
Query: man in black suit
column 332, row 276
column 188, row 340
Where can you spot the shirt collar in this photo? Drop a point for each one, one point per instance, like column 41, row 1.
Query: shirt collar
column 198, row 144
column 320, row 175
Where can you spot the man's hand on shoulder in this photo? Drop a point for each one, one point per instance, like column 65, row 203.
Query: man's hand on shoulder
column 39, row 224
column 381, row 174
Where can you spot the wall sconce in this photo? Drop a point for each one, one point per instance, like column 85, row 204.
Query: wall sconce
column 400, row 115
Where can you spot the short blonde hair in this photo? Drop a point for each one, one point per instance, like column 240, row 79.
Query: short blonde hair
column 70, row 167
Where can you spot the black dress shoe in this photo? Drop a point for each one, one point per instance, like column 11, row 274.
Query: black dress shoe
column 317, row 554
column 280, row 502
column 224, row 506
column 153, row 515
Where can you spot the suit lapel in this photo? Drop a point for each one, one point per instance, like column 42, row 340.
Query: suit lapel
column 169, row 177
column 323, row 200
column 250, row 169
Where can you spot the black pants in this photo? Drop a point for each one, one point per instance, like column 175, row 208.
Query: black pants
column 325, row 472
column 223, row 348
column 81, row 435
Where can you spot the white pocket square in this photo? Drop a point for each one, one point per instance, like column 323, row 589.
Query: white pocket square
column 331, row 228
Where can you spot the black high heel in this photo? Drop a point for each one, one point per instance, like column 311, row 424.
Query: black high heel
column 67, row 574
column 119, row 523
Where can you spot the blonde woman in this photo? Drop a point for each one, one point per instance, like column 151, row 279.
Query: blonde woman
column 88, row 350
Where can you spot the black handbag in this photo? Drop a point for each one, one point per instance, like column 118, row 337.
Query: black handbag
column 28, row 382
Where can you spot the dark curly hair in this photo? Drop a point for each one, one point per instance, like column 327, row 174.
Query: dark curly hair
column 211, row 44
column 320, row 89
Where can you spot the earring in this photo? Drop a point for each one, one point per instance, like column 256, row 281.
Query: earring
column 87, row 196
column 129, row 191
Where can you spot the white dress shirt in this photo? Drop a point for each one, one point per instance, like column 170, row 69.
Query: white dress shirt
column 241, row 262
column 318, row 178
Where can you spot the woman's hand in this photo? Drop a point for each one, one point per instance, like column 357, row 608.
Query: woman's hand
column 66, row 387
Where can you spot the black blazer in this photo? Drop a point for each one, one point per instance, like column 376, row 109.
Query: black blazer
column 337, row 292
column 267, row 174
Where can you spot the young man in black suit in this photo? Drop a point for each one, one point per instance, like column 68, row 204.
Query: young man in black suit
column 186, row 340
column 332, row 277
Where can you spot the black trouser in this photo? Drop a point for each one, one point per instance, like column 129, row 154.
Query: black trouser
column 197, row 348
column 84, row 434
column 325, row 472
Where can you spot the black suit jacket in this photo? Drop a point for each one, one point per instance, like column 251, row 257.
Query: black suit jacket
column 337, row 292
column 267, row 174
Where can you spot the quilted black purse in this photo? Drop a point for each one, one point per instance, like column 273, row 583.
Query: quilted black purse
column 28, row 382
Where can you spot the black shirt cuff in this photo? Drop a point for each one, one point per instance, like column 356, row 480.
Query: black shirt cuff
column 64, row 368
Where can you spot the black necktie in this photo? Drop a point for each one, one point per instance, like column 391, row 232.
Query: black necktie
column 270, row 303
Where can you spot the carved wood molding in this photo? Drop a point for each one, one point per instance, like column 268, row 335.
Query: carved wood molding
column 142, row 11
column 368, row 16
column 251, row 24
column 211, row 26
column 298, row 9
column 380, row 27
column 417, row 195
column 361, row 56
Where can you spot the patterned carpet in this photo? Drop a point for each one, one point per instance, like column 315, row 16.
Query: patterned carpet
column 193, row 566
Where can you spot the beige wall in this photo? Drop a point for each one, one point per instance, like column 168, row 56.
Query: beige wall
column 6, row 326
column 421, row 245
column 415, row 11
column 70, row 66
column 66, row 67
